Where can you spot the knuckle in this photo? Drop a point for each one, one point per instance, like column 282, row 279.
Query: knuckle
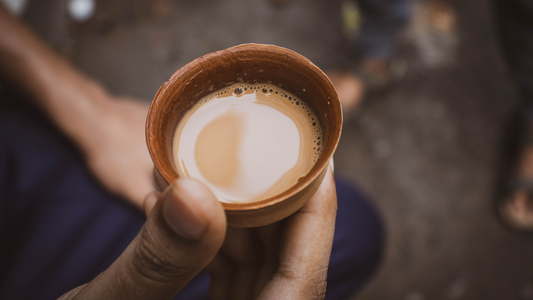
column 153, row 264
column 317, row 284
column 319, row 292
column 312, row 286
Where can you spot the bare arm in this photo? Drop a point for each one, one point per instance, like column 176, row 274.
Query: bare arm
column 108, row 130
column 29, row 65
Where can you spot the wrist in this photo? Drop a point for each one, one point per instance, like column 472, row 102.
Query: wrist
column 86, row 120
column 78, row 105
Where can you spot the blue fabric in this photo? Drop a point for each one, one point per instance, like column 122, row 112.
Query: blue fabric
column 382, row 20
column 59, row 228
column 357, row 245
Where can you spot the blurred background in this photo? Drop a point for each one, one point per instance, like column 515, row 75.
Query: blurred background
column 429, row 149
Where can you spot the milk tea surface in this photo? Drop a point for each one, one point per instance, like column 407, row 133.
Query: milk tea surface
column 247, row 142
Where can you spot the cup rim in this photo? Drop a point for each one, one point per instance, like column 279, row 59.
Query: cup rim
column 167, row 171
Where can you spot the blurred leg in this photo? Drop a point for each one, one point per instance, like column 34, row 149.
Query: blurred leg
column 515, row 20
column 58, row 227
column 358, row 243
column 382, row 21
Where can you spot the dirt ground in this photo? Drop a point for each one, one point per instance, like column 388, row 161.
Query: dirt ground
column 429, row 151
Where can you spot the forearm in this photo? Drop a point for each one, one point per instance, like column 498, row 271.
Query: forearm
column 108, row 130
column 69, row 98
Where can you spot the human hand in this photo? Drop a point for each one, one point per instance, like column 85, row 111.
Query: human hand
column 115, row 149
column 186, row 228
column 285, row 260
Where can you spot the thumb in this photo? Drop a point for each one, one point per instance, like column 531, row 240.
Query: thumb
column 182, row 234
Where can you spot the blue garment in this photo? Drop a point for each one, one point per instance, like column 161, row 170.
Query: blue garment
column 382, row 20
column 59, row 228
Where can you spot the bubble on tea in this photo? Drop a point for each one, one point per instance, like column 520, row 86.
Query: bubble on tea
column 260, row 90
column 238, row 89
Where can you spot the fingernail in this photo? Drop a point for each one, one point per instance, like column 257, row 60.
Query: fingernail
column 181, row 214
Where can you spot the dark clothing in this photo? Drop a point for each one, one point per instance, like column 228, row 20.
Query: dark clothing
column 59, row 228
column 382, row 20
column 515, row 23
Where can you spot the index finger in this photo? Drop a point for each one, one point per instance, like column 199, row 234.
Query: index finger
column 306, row 247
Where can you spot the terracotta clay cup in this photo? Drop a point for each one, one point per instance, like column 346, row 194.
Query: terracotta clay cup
column 250, row 63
